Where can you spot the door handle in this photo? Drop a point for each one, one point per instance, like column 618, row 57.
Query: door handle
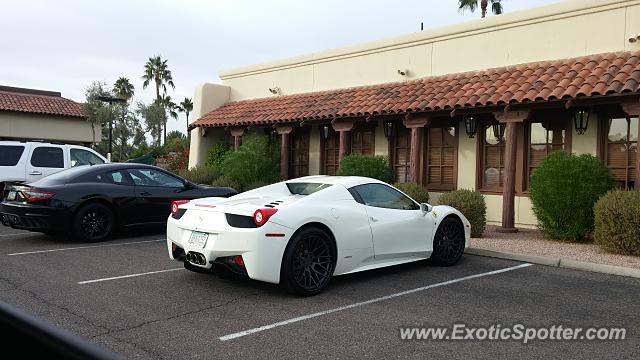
column 35, row 173
column 373, row 219
column 144, row 193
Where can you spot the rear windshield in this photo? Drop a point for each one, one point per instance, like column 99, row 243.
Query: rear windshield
column 10, row 154
column 305, row 188
column 62, row 177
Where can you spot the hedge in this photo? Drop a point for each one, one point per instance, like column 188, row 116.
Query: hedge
column 376, row 167
column 417, row 192
column 563, row 190
column 471, row 204
column 617, row 222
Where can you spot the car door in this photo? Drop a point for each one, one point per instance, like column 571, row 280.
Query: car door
column 45, row 160
column 155, row 190
column 399, row 228
column 118, row 186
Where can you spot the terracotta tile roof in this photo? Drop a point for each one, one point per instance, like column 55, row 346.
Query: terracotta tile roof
column 38, row 102
column 602, row 74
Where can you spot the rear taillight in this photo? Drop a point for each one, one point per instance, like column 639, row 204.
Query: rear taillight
column 175, row 206
column 33, row 195
column 261, row 216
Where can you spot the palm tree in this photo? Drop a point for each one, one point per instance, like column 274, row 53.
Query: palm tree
column 171, row 108
column 472, row 5
column 123, row 88
column 157, row 71
column 186, row 106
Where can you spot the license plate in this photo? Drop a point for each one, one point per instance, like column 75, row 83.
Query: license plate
column 198, row 239
column 11, row 196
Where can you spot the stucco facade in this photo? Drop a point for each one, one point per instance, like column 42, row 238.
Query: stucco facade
column 65, row 129
column 564, row 30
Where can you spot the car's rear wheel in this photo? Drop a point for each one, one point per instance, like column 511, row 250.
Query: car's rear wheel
column 93, row 223
column 308, row 262
column 448, row 243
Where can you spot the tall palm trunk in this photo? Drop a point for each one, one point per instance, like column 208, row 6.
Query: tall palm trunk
column 483, row 6
column 187, row 114
column 160, row 127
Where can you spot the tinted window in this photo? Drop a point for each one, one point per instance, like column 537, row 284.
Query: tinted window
column 383, row 196
column 10, row 154
column 119, row 177
column 47, row 157
column 306, row 188
column 83, row 157
column 153, row 177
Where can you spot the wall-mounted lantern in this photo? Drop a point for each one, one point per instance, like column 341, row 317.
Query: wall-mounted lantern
column 498, row 131
column 324, row 131
column 389, row 129
column 470, row 125
column 581, row 120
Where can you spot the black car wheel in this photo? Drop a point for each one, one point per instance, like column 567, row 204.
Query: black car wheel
column 448, row 243
column 308, row 262
column 93, row 223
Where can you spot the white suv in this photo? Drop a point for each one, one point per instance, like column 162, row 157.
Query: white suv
column 31, row 161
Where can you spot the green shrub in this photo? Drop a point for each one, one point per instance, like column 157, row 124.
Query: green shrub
column 376, row 167
column 563, row 191
column 216, row 154
column 257, row 160
column 224, row 181
column 256, row 185
column 617, row 222
column 202, row 174
column 419, row 193
column 471, row 204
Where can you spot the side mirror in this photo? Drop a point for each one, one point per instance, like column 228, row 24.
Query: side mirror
column 426, row 208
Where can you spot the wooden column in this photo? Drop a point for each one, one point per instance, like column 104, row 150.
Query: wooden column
column 237, row 133
column 416, row 124
column 511, row 119
column 633, row 110
column 284, row 131
column 344, row 127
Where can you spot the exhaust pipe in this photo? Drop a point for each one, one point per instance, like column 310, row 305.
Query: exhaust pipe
column 196, row 258
column 201, row 259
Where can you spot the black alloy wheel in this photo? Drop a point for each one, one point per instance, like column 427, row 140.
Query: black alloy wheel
column 93, row 223
column 448, row 243
column 308, row 262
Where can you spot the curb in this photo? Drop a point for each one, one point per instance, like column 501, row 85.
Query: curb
column 558, row 262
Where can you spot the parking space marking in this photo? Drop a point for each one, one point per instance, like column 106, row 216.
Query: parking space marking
column 126, row 276
column 14, row 234
column 84, row 247
column 367, row 302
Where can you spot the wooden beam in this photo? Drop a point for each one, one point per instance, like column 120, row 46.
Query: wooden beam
column 512, row 116
column 633, row 110
column 237, row 133
column 284, row 155
column 509, row 185
column 416, row 124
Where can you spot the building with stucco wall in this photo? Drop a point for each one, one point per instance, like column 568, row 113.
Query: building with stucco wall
column 30, row 114
column 475, row 105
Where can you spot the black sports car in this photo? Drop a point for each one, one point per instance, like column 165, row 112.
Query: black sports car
column 91, row 202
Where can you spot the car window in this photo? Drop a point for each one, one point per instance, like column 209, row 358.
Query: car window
column 153, row 177
column 297, row 188
column 118, row 177
column 10, row 154
column 83, row 157
column 47, row 157
column 383, row 196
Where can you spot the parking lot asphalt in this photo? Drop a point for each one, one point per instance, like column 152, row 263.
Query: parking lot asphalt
column 128, row 297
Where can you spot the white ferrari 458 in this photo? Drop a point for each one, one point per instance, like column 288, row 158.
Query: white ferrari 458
column 299, row 233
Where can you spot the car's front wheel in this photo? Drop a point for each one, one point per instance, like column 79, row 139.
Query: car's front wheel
column 308, row 262
column 448, row 243
column 93, row 223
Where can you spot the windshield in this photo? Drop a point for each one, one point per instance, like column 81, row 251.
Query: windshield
column 305, row 188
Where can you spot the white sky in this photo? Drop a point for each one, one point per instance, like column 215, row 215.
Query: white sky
column 64, row 45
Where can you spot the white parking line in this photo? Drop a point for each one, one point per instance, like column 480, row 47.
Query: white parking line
column 383, row 298
column 126, row 276
column 83, row 247
column 14, row 234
